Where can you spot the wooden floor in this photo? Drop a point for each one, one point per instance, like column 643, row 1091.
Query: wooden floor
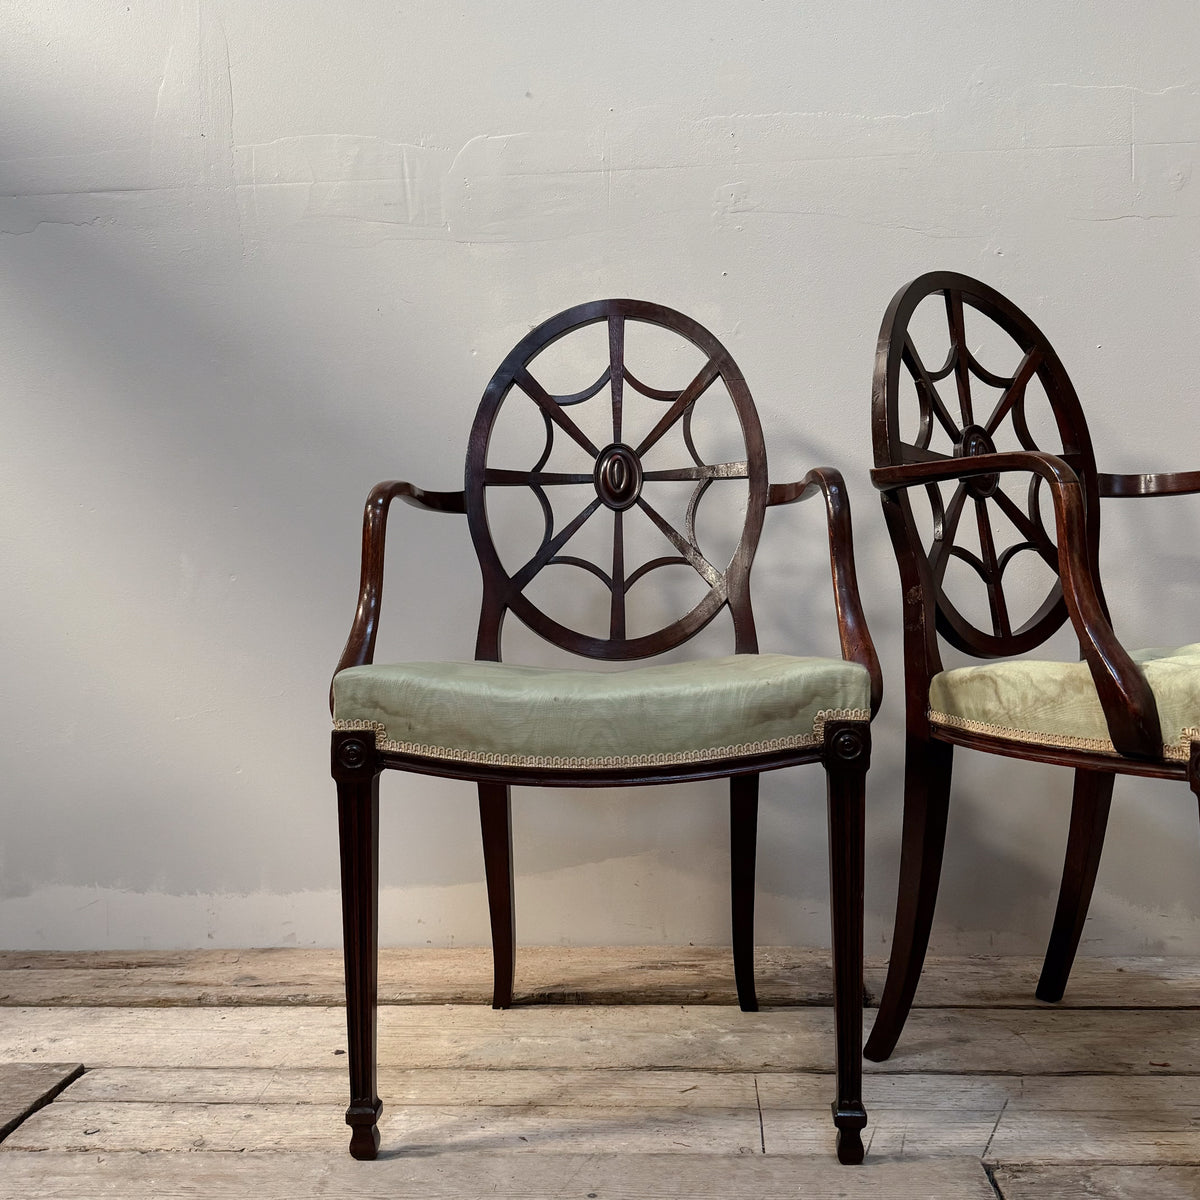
column 620, row 1075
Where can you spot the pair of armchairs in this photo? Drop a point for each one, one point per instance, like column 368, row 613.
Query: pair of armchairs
column 623, row 472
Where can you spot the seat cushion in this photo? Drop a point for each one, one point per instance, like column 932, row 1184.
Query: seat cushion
column 507, row 715
column 1055, row 703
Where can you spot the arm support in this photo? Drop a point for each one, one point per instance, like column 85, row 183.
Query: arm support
column 1181, row 483
column 360, row 645
column 852, row 622
column 1128, row 703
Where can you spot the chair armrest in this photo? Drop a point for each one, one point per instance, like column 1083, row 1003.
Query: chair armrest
column 852, row 622
column 1180, row 483
column 1125, row 696
column 360, row 645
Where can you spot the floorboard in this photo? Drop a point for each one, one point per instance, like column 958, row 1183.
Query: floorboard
column 496, row 1176
column 1107, row 1182
column 949, row 1041
column 26, row 1087
column 634, row 1075
column 559, row 975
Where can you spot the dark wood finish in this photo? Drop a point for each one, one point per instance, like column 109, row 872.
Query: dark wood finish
column 1128, row 703
column 621, row 486
column 1182, row 483
column 743, row 846
column 984, row 443
column 495, row 823
column 857, row 646
column 847, row 757
column 927, row 770
column 1085, row 841
column 619, row 478
column 360, row 645
column 356, row 770
column 603, row 777
column 967, row 433
column 1060, row 756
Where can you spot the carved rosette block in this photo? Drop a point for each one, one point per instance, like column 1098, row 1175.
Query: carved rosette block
column 848, row 744
column 353, row 754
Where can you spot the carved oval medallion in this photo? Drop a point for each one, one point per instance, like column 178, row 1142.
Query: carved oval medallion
column 975, row 440
column 618, row 476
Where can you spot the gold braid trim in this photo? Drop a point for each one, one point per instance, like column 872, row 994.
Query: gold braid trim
column 1178, row 751
column 490, row 758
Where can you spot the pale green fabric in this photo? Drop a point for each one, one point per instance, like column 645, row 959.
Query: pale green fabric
column 1055, row 703
column 662, row 714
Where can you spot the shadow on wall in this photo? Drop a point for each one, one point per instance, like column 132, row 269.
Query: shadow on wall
column 185, row 465
column 210, row 452
column 209, row 374
column 193, row 455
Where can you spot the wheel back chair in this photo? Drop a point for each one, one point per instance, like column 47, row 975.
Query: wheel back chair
column 499, row 724
column 967, row 457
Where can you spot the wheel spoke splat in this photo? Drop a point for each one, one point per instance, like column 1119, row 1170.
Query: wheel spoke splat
column 976, row 424
column 553, row 409
column 620, row 481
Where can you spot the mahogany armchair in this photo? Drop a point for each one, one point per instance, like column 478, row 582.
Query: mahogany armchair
column 968, row 456
column 628, row 450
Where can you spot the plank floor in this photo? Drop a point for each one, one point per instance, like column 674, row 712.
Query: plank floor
column 620, row 1074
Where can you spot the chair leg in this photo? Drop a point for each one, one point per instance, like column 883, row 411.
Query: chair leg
column 846, row 760
column 1089, row 819
column 743, row 839
column 495, row 820
column 358, row 826
column 926, row 804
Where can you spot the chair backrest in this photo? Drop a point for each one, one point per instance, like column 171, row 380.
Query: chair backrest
column 961, row 371
column 622, row 454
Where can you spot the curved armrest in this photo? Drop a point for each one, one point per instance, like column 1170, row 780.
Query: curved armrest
column 852, row 622
column 1179, row 483
column 1125, row 696
column 360, row 645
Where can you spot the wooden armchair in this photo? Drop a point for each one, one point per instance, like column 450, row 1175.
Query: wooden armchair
column 627, row 451
column 967, row 456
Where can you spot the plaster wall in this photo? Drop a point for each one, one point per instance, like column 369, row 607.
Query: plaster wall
column 256, row 257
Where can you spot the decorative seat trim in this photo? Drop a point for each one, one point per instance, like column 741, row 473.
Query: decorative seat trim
column 1178, row 751
column 615, row 762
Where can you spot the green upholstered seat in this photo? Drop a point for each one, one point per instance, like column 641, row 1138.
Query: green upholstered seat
column 503, row 714
column 1055, row 703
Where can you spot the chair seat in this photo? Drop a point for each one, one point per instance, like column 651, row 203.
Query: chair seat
column 1056, row 704
column 507, row 715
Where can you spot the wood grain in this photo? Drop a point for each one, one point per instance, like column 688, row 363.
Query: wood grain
column 1127, row 1134
column 599, row 1088
column 1000, row 1041
column 1060, row 1103
column 785, row 976
column 939, row 466
column 1106, row 1182
column 493, row 1176
column 420, row 1129
column 26, row 1087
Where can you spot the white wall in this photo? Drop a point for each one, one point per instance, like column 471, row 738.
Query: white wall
column 256, row 257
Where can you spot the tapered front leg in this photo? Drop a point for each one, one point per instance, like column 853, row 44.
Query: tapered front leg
column 495, row 821
column 1089, row 819
column 358, row 827
column 926, row 806
column 743, row 840
column 847, row 756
